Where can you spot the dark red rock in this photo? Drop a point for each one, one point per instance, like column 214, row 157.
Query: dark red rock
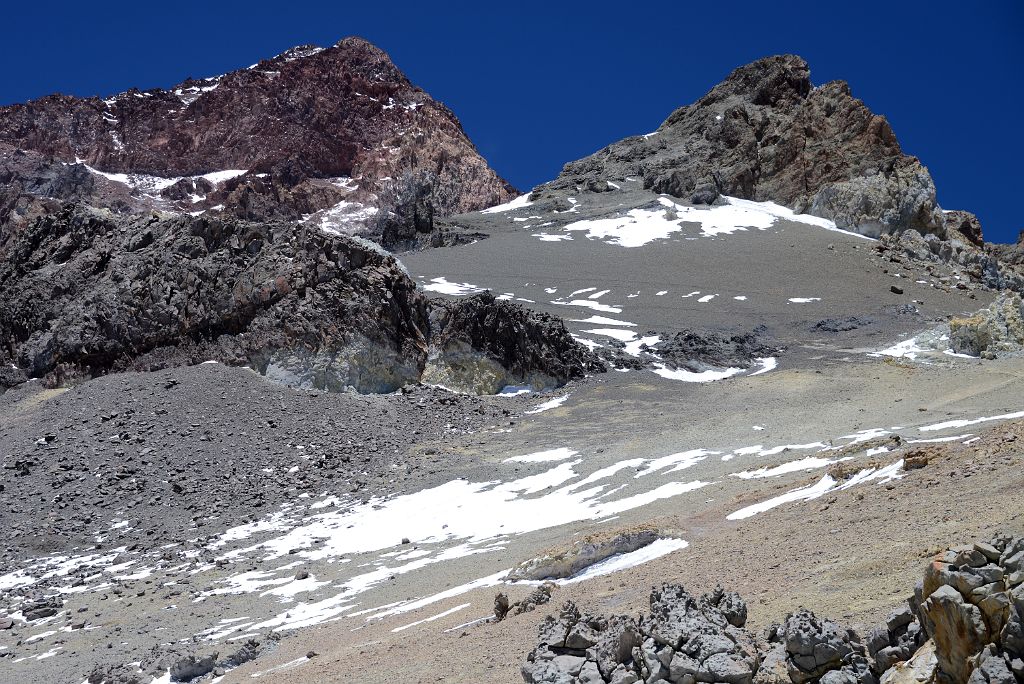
column 297, row 119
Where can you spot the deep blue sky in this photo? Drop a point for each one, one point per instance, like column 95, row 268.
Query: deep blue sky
column 539, row 84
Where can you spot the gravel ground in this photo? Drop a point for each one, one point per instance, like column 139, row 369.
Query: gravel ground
column 853, row 557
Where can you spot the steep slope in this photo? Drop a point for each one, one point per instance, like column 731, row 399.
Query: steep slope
column 338, row 136
column 767, row 134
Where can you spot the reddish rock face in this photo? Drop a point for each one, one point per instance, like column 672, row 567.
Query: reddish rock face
column 292, row 122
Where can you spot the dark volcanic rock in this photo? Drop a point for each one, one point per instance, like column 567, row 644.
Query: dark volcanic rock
column 842, row 325
column 293, row 122
column 699, row 351
column 766, row 133
column 520, row 347
column 684, row 639
column 84, row 292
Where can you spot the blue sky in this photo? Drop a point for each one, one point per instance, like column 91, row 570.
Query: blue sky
column 540, row 84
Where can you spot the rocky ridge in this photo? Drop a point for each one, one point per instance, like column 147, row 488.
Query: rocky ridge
column 955, row 261
column 85, row 292
column 337, row 136
column 964, row 624
column 767, row 134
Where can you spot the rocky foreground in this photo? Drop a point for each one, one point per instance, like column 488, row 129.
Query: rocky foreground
column 964, row 623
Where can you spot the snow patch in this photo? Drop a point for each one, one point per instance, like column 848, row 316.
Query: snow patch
column 441, row 284
column 517, row 203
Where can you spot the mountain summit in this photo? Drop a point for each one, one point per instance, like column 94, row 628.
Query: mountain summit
column 767, row 134
column 335, row 135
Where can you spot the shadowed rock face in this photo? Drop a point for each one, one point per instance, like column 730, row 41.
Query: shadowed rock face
column 767, row 134
column 293, row 121
column 84, row 292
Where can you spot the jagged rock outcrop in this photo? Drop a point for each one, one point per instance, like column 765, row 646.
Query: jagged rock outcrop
column 999, row 328
column 1010, row 254
column 972, row 605
column 766, row 133
column 683, row 639
column 698, row 351
column 896, row 641
column 84, row 292
column 817, row 648
column 963, row 625
column 481, row 341
column 964, row 224
column 963, row 264
column 335, row 135
column 538, row 597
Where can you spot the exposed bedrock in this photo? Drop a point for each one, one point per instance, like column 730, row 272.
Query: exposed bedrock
column 295, row 127
column 996, row 329
column 954, row 261
column 1011, row 254
column 84, row 292
column 766, row 133
column 481, row 341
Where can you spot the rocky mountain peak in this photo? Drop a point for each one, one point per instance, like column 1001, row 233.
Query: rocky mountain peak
column 775, row 80
column 766, row 133
column 336, row 135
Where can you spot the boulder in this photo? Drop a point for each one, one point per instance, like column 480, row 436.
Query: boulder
column 918, row 670
column 581, row 553
column 190, row 667
column 815, row 646
column 973, row 611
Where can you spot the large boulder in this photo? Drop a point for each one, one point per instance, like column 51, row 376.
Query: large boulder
column 582, row 553
column 972, row 605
